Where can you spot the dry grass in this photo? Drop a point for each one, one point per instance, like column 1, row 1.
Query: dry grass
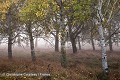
column 85, row 65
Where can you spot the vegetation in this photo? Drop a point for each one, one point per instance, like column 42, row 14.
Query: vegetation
column 76, row 21
column 83, row 66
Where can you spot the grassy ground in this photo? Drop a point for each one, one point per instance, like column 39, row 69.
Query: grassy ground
column 85, row 65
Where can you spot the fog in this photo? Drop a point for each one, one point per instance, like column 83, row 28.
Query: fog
column 49, row 44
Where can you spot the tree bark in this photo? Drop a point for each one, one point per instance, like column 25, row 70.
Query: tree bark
column 36, row 42
column 57, row 41
column 73, row 44
column 110, row 41
column 72, row 38
column 19, row 41
column 63, row 51
column 102, row 39
column 79, row 43
column 31, row 41
column 104, row 56
column 27, row 41
column 10, row 46
column 117, row 40
column 92, row 41
column 9, row 35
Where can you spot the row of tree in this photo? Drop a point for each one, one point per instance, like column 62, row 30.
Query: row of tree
column 67, row 20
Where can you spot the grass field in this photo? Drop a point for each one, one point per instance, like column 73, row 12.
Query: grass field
column 85, row 65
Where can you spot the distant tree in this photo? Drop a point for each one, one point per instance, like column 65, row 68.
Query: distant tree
column 77, row 15
column 31, row 15
column 9, row 13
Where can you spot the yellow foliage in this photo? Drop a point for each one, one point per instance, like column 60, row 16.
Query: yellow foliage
column 34, row 9
column 5, row 5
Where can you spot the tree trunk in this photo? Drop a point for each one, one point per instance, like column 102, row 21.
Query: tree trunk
column 102, row 40
column 57, row 41
column 72, row 39
column 19, row 41
column 110, row 41
column 92, row 41
column 102, row 44
column 9, row 35
column 36, row 42
column 10, row 47
column 117, row 40
column 63, row 51
column 79, row 43
column 27, row 41
column 31, row 42
column 73, row 44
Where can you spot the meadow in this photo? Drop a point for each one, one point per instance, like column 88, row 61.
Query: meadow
column 84, row 65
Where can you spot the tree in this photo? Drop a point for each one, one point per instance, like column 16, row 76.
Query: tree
column 29, row 30
column 31, row 14
column 52, row 27
column 10, row 10
column 102, row 39
column 52, row 23
column 62, row 29
column 78, row 13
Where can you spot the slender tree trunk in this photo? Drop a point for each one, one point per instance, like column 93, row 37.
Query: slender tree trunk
column 92, row 41
column 63, row 51
column 27, row 42
column 19, row 43
column 79, row 43
column 72, row 39
column 31, row 42
column 36, row 41
column 10, row 47
column 110, row 41
column 102, row 44
column 73, row 44
column 102, row 40
column 9, row 35
column 57, row 41
column 117, row 39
